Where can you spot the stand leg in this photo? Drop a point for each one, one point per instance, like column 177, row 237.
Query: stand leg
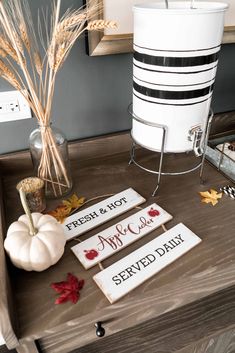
column 132, row 153
column 160, row 162
column 221, row 156
column 204, row 148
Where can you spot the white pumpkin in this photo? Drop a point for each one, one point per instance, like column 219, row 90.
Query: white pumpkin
column 35, row 252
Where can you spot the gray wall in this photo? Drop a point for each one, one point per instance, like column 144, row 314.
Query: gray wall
column 92, row 94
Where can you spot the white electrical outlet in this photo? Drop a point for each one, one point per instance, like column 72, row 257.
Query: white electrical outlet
column 13, row 106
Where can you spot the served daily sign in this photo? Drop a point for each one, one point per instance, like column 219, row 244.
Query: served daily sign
column 128, row 273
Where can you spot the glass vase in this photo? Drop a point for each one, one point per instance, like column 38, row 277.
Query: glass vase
column 49, row 153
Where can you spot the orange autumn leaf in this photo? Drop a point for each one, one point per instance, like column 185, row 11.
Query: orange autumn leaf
column 64, row 210
column 60, row 213
column 73, row 202
column 211, row 196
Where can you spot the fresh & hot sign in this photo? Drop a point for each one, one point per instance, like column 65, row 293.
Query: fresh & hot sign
column 101, row 212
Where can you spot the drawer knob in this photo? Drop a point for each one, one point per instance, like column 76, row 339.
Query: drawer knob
column 100, row 331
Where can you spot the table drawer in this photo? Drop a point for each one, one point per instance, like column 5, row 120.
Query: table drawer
column 168, row 332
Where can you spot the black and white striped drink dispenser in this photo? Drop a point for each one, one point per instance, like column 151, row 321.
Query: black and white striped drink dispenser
column 176, row 53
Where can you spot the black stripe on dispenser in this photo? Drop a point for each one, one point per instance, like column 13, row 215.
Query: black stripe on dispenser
column 177, row 73
column 170, row 61
column 156, row 93
column 175, row 105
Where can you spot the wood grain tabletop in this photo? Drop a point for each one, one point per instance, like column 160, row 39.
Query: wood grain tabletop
column 196, row 293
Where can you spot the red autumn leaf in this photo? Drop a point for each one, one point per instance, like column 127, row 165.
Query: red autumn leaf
column 60, row 287
column 73, row 282
column 63, row 298
column 69, row 290
column 73, row 297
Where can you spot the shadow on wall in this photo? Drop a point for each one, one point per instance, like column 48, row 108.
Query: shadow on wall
column 224, row 91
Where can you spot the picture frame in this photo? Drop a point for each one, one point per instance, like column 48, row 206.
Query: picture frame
column 117, row 42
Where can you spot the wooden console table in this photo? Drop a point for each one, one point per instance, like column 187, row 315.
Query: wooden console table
column 189, row 307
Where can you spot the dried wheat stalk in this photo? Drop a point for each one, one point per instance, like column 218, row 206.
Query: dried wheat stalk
column 38, row 63
column 9, row 75
column 7, row 47
column 19, row 42
column 35, row 78
column 24, row 36
column 97, row 25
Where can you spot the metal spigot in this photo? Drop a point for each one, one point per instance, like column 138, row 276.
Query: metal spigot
column 195, row 135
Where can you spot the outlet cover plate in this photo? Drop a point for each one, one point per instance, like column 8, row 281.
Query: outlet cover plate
column 13, row 106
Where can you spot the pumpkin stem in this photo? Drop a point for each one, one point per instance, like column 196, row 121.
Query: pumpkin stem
column 23, row 200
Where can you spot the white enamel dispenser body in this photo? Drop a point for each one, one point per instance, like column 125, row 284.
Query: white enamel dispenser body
column 174, row 67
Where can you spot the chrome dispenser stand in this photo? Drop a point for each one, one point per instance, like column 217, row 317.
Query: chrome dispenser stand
column 159, row 172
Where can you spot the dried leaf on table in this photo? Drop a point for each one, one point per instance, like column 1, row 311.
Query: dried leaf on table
column 69, row 205
column 210, row 196
column 74, row 202
column 60, row 213
column 68, row 290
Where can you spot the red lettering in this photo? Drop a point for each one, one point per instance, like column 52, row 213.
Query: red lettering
column 133, row 230
column 103, row 242
column 145, row 223
column 120, row 229
column 114, row 241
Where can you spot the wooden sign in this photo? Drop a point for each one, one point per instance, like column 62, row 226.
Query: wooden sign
column 128, row 273
column 118, row 236
column 101, row 212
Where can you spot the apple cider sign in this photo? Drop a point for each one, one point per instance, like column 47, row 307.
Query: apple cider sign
column 128, row 273
column 118, row 236
column 101, row 212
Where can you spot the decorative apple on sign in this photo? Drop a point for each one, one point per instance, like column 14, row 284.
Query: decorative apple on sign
column 91, row 254
column 153, row 213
